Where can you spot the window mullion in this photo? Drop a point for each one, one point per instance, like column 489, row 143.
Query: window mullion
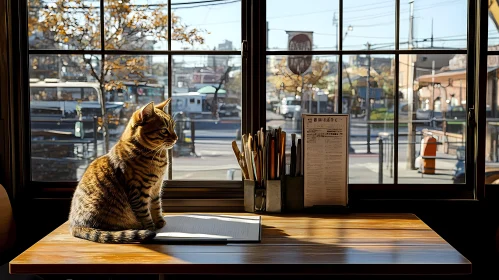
column 339, row 103
column 170, row 75
column 396, row 96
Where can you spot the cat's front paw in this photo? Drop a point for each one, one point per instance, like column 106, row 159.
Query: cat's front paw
column 149, row 226
column 160, row 223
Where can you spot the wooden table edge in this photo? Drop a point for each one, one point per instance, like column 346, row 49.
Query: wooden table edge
column 247, row 269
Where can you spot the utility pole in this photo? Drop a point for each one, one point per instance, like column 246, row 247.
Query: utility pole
column 267, row 35
column 431, row 32
column 335, row 23
column 351, row 150
column 368, row 100
column 411, row 128
column 432, row 85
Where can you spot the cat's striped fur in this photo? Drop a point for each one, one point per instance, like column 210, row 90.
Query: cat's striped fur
column 118, row 199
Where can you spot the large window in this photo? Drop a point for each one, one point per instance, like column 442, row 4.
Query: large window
column 404, row 84
column 93, row 63
column 398, row 68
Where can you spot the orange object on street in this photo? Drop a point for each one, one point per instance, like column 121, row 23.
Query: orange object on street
column 428, row 149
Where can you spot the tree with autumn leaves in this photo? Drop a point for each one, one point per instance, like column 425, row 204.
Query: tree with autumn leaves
column 75, row 25
column 315, row 76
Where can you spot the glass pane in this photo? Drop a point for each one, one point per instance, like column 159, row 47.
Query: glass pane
column 206, row 102
column 368, row 96
column 368, row 22
column 206, row 25
column 136, row 25
column 436, row 24
column 432, row 119
column 66, row 119
column 493, row 25
column 62, row 24
column 492, row 130
column 61, row 88
column 289, row 94
column 317, row 19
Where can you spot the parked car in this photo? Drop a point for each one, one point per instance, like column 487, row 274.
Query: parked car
column 491, row 172
column 229, row 110
column 289, row 107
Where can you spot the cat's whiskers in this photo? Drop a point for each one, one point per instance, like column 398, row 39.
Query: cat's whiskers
column 158, row 149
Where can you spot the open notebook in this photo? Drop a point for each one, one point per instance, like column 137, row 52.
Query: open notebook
column 208, row 228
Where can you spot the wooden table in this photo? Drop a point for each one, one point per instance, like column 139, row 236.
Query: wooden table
column 291, row 244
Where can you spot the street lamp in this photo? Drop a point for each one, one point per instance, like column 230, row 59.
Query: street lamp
column 349, row 29
column 351, row 150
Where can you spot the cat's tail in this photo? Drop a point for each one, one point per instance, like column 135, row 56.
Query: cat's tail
column 104, row 236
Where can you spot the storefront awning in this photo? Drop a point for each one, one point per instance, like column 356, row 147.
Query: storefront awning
column 443, row 77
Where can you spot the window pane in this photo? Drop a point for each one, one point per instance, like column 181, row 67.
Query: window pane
column 61, row 88
column 207, row 126
column 62, row 24
column 136, row 25
column 318, row 18
column 493, row 24
column 65, row 95
column 286, row 100
column 432, row 119
column 436, row 24
column 370, row 105
column 370, row 22
column 492, row 130
column 214, row 25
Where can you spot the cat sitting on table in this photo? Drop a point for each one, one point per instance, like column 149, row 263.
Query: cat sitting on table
column 118, row 199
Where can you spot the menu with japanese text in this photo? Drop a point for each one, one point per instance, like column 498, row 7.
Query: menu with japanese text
column 325, row 159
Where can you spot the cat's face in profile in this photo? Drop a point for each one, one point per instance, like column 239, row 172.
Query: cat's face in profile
column 153, row 127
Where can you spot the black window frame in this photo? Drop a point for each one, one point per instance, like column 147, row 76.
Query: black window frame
column 474, row 187
column 15, row 109
column 58, row 188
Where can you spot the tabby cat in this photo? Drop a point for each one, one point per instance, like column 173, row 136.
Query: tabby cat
column 118, row 199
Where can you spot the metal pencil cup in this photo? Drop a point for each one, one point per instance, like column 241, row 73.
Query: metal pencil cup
column 294, row 193
column 274, row 196
column 254, row 197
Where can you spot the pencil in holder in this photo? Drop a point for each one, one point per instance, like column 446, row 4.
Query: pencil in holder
column 294, row 193
column 274, row 196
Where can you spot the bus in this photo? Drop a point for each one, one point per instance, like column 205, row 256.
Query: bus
column 194, row 104
column 138, row 95
column 54, row 104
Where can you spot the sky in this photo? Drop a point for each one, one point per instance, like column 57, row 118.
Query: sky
column 371, row 21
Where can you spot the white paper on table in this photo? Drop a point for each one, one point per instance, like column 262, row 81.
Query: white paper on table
column 207, row 226
column 325, row 159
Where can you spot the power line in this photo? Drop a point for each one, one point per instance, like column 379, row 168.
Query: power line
column 188, row 5
column 363, row 18
column 206, row 5
column 356, row 10
column 198, row 2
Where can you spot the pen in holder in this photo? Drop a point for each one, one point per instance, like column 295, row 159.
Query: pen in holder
column 274, row 196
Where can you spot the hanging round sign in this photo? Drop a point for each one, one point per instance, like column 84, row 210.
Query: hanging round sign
column 299, row 64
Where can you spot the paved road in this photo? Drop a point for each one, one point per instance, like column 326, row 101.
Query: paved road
column 214, row 159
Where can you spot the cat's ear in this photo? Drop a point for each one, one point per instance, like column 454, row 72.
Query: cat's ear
column 164, row 105
column 145, row 113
